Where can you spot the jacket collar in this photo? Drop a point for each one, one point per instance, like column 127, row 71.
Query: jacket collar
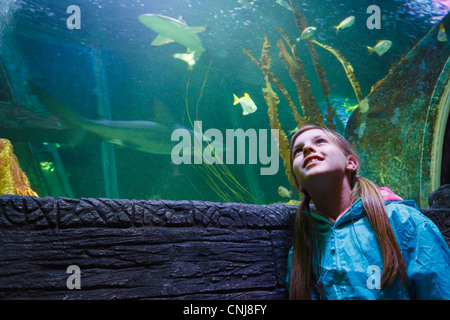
column 355, row 212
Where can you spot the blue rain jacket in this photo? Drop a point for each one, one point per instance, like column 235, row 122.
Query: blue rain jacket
column 351, row 262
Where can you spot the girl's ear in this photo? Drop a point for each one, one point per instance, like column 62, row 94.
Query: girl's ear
column 352, row 163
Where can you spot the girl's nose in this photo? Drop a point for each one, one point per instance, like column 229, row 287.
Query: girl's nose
column 307, row 149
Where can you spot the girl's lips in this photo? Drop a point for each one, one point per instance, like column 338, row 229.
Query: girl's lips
column 309, row 161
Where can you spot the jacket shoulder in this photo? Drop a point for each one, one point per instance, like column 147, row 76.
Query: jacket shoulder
column 407, row 220
column 403, row 211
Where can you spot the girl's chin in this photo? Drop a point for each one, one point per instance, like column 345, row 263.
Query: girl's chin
column 312, row 175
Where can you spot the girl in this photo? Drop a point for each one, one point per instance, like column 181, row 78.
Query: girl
column 354, row 244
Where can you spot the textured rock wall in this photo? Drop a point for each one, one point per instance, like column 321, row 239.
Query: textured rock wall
column 150, row 249
column 142, row 249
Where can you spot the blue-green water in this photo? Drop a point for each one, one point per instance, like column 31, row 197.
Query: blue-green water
column 108, row 67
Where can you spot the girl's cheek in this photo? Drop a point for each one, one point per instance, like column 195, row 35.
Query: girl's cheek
column 297, row 169
column 297, row 162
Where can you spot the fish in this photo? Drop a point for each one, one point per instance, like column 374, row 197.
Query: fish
column 186, row 57
column 293, row 130
column 146, row 136
column 284, row 3
column 442, row 36
column 283, row 192
column 247, row 104
column 347, row 22
column 307, row 33
column 174, row 30
column 381, row 47
column 245, row 2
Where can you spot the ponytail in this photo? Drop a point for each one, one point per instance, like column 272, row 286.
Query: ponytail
column 373, row 202
column 302, row 277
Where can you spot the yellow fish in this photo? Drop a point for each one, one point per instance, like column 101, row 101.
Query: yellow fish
column 347, row 22
column 442, row 36
column 247, row 104
column 283, row 192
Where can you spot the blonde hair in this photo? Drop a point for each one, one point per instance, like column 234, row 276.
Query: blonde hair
column 302, row 282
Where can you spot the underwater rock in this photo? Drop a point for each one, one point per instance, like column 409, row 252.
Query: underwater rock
column 399, row 133
column 12, row 179
column 439, row 211
column 136, row 249
column 440, row 198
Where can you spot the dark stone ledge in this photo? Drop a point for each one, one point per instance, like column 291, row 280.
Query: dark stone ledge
column 142, row 249
column 135, row 249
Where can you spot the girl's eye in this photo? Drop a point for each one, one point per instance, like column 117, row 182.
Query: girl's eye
column 298, row 150
column 320, row 141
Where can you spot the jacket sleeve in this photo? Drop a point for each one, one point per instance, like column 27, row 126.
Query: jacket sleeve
column 427, row 259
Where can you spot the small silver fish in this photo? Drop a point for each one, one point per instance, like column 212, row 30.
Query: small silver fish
column 347, row 22
column 186, row 57
column 307, row 33
column 247, row 104
column 284, row 3
column 245, row 2
column 381, row 47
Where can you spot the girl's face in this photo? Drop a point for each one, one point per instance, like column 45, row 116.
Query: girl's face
column 316, row 155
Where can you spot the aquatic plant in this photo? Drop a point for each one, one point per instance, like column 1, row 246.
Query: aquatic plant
column 272, row 101
column 310, row 110
column 347, row 67
column 216, row 175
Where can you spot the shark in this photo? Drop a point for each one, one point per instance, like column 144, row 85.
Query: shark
column 146, row 136
column 174, row 30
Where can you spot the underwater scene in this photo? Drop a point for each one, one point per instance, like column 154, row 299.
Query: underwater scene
column 197, row 99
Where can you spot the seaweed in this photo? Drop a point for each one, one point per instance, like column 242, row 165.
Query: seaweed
column 264, row 65
column 216, row 175
column 347, row 67
column 296, row 71
column 272, row 101
column 311, row 114
column 320, row 71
